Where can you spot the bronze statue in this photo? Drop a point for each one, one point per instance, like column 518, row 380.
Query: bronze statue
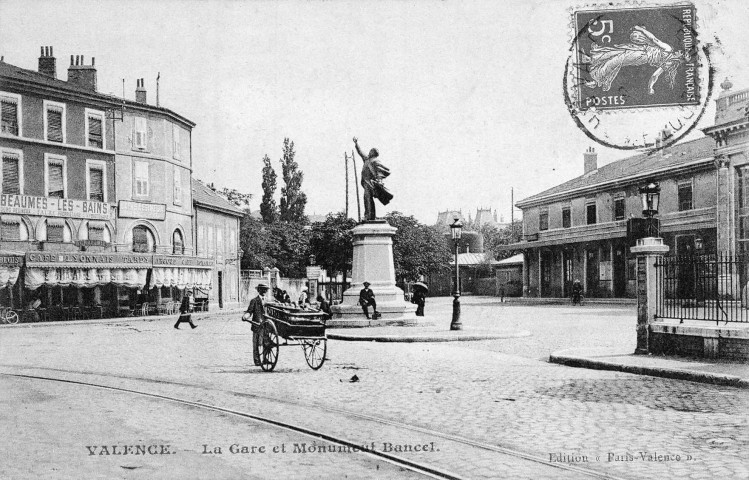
column 372, row 173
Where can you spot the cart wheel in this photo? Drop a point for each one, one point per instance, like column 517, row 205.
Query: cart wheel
column 268, row 347
column 314, row 352
column 11, row 317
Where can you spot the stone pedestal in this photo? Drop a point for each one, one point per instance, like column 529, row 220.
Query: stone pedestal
column 373, row 263
column 648, row 250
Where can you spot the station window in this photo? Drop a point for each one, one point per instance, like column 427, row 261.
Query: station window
column 619, row 207
column 685, row 195
column 591, row 213
column 566, row 217
column 543, row 219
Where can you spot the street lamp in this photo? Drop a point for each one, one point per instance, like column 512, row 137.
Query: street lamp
column 650, row 196
column 456, row 230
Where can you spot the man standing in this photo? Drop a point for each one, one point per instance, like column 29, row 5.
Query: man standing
column 367, row 298
column 185, row 311
column 255, row 315
column 372, row 173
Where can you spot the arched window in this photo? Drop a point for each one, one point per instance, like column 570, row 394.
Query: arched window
column 143, row 240
column 178, row 247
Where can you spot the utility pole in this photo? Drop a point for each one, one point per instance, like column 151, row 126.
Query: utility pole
column 356, row 179
column 345, row 155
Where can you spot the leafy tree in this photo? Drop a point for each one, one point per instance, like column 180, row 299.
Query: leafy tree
column 417, row 248
column 255, row 241
column 268, row 209
column 282, row 245
column 241, row 200
column 331, row 243
column 495, row 237
column 293, row 200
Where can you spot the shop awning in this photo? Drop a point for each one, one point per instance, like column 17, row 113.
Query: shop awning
column 10, row 267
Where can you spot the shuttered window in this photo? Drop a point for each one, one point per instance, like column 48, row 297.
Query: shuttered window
column 177, row 185
column 96, row 185
column 11, row 177
column 141, row 240
column 177, row 245
column 95, row 231
column 10, row 229
column 55, row 232
column 140, row 180
column 95, row 137
column 54, row 124
column 55, row 180
column 9, row 109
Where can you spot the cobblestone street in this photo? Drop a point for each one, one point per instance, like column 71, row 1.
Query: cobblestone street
column 492, row 408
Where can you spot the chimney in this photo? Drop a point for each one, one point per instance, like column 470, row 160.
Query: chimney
column 82, row 75
column 591, row 160
column 140, row 91
column 48, row 63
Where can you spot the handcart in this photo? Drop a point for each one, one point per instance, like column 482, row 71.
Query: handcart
column 293, row 326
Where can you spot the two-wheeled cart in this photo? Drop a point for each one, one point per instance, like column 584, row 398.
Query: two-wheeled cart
column 285, row 325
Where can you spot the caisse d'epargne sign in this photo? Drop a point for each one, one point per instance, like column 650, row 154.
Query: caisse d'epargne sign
column 55, row 207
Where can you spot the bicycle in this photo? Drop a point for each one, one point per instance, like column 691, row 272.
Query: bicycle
column 8, row 315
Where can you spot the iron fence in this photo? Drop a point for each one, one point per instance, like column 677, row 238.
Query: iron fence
column 702, row 287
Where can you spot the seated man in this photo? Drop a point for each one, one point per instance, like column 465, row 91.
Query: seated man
column 367, row 298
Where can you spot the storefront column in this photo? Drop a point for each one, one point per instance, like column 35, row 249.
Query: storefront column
column 540, row 274
column 648, row 250
column 725, row 222
column 526, row 273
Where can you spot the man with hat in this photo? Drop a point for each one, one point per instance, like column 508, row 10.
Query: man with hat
column 367, row 298
column 256, row 312
column 185, row 310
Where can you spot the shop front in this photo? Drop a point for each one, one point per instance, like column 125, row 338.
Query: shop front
column 79, row 285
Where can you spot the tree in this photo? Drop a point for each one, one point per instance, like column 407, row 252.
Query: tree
column 495, row 237
column 331, row 242
column 282, row 245
column 293, row 200
column 268, row 209
column 417, row 248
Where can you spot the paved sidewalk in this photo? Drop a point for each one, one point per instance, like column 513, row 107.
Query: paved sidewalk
column 421, row 334
column 697, row 370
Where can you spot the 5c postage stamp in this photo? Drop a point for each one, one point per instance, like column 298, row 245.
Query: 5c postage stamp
column 637, row 76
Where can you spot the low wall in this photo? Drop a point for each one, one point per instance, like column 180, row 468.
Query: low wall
column 725, row 342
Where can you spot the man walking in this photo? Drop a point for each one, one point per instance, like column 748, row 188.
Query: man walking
column 185, row 311
column 367, row 298
column 255, row 315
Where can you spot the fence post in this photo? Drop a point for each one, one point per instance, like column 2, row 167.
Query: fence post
column 648, row 251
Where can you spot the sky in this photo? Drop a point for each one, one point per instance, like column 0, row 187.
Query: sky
column 463, row 100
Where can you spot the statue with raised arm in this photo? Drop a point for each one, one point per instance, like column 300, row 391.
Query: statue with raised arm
column 372, row 174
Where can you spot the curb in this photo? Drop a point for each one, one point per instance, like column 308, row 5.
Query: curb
column 677, row 374
column 430, row 339
column 104, row 321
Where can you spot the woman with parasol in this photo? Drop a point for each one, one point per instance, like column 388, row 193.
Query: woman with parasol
column 419, row 297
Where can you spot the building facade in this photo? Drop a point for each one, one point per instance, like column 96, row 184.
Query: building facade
column 578, row 230
column 216, row 223
column 96, row 205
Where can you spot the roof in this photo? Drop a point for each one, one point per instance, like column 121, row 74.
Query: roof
column 513, row 260
column 8, row 71
column 639, row 165
column 475, row 258
column 205, row 197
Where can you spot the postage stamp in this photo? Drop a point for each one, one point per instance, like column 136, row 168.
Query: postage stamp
column 637, row 76
column 637, row 57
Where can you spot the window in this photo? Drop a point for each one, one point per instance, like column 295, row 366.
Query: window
column 590, row 213
column 12, row 172
column 55, row 230
column 54, row 121
column 178, row 247
column 140, row 133
column 10, row 228
column 177, row 185
column 143, row 241
column 96, row 180
column 94, row 128
column 96, row 231
column 685, row 195
column 211, row 245
column 10, row 109
column 140, row 179
column 566, row 217
column 176, row 143
column 201, row 240
column 55, row 176
column 619, row 207
column 543, row 219
column 219, row 240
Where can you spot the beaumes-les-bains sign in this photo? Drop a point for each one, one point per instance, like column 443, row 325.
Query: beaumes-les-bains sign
column 55, row 207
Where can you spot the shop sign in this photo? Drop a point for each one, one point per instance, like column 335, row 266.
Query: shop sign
column 314, row 271
column 71, row 259
column 150, row 211
column 91, row 243
column 10, row 261
column 55, row 207
column 181, row 261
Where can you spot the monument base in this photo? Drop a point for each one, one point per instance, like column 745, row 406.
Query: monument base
column 373, row 263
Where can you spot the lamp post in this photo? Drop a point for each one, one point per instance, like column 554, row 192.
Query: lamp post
column 650, row 196
column 456, row 230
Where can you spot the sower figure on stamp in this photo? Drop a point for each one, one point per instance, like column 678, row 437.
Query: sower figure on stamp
column 255, row 315
column 372, row 173
column 367, row 298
